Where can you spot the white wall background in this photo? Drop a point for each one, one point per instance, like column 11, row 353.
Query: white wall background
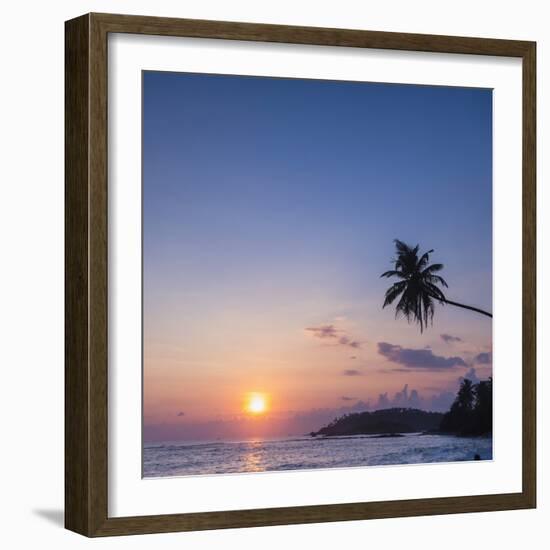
column 31, row 273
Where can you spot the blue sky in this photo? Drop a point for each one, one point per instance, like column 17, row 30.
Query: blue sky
column 270, row 206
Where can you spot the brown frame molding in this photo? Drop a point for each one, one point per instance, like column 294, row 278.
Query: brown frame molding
column 86, row 274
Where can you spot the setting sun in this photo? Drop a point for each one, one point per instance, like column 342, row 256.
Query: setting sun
column 256, row 403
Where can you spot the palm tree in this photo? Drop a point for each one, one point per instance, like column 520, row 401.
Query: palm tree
column 461, row 417
column 418, row 286
column 466, row 395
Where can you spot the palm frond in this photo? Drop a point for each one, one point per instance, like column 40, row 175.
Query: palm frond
column 393, row 273
column 437, row 279
column 393, row 292
column 433, row 268
column 435, row 292
column 401, row 247
column 424, row 259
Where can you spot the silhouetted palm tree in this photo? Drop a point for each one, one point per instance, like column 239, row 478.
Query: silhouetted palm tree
column 418, row 286
column 484, row 405
column 466, row 395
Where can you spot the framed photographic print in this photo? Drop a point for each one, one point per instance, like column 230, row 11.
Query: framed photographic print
column 300, row 275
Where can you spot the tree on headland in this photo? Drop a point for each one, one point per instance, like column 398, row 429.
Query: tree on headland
column 395, row 420
column 483, row 410
column 466, row 394
column 472, row 410
column 418, row 287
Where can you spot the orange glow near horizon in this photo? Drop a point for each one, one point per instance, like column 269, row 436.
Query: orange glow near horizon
column 256, row 403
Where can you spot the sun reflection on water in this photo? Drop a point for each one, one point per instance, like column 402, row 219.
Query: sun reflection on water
column 253, row 459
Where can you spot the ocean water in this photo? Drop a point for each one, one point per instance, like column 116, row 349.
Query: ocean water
column 307, row 453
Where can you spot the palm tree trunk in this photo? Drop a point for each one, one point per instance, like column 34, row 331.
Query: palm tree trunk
column 467, row 307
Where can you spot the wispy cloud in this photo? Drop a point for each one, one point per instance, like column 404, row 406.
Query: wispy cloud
column 347, row 398
column 351, row 372
column 324, row 331
column 330, row 332
column 181, row 413
column 345, row 341
column 450, row 339
column 484, row 358
column 418, row 358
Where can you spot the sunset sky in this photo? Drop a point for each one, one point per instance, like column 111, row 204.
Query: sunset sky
column 269, row 211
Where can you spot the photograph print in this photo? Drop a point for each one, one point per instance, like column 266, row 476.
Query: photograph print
column 317, row 274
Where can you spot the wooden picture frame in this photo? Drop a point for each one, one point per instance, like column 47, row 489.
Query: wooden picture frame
column 86, row 294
